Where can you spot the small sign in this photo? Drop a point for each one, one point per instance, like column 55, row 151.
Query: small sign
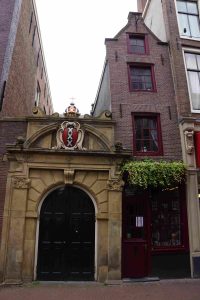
column 139, row 221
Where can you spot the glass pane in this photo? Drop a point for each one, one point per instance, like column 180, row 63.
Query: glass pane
column 138, row 134
column 146, row 133
column 140, row 42
column 181, row 5
column 198, row 61
column 146, row 146
column 190, row 61
column 184, row 25
column 138, row 123
column 138, row 145
column 145, row 122
column 194, row 26
column 192, row 8
column 152, row 123
column 194, row 89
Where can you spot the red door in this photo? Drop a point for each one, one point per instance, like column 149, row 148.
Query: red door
column 135, row 236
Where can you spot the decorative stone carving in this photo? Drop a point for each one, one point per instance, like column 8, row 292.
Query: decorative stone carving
column 115, row 184
column 189, row 140
column 21, row 183
column 71, row 111
column 70, row 136
column 38, row 112
column 69, row 176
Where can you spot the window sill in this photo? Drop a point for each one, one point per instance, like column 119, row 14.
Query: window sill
column 160, row 250
column 189, row 38
column 145, row 91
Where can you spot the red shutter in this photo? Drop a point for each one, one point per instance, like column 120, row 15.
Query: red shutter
column 197, row 148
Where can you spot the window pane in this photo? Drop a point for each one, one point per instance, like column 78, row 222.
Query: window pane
column 194, row 89
column 181, row 5
column 141, row 78
column 184, row 25
column 198, row 61
column 138, row 145
column 191, row 61
column 137, row 44
column 152, row 123
column 192, row 8
column 194, row 26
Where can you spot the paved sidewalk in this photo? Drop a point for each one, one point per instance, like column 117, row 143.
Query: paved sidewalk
column 161, row 290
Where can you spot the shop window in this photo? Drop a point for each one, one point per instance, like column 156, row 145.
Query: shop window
column 137, row 44
column 167, row 211
column 193, row 74
column 147, row 134
column 188, row 17
column 141, row 78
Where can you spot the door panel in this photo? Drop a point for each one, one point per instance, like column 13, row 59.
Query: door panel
column 66, row 236
column 135, row 235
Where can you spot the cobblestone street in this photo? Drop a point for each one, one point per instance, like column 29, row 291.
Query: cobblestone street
column 160, row 290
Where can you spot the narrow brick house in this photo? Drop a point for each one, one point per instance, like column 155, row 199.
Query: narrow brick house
column 23, row 77
column 137, row 87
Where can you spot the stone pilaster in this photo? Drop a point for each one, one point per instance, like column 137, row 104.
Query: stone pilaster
column 114, row 228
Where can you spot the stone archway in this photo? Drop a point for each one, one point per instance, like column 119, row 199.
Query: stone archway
column 66, row 236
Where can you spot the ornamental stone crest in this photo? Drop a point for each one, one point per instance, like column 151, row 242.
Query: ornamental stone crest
column 115, row 185
column 69, row 136
column 21, row 183
column 189, row 140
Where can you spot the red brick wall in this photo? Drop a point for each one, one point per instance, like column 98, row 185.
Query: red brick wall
column 26, row 68
column 9, row 131
column 162, row 101
column 6, row 10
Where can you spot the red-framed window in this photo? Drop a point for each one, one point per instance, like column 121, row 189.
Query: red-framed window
column 169, row 230
column 147, row 138
column 141, row 78
column 137, row 43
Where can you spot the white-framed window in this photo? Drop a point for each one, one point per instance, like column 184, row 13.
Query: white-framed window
column 192, row 63
column 188, row 18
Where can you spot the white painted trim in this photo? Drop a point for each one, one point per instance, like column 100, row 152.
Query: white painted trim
column 190, row 50
column 183, row 36
column 38, row 226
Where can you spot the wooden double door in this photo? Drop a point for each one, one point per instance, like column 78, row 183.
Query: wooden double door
column 66, row 236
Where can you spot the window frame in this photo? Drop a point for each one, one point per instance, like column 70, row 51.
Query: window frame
column 139, row 35
column 179, row 23
column 159, row 134
column 142, row 66
column 196, row 52
column 184, row 246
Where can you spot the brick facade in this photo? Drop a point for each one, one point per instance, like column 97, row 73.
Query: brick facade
column 27, row 67
column 124, row 102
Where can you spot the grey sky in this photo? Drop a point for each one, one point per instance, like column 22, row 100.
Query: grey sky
column 73, row 34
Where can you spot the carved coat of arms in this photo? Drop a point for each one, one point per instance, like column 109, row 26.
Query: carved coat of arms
column 69, row 136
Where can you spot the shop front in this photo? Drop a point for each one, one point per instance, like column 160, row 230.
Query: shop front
column 154, row 234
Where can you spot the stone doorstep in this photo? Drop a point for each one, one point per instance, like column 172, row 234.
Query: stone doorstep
column 143, row 279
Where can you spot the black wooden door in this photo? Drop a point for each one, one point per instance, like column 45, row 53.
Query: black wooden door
column 66, row 236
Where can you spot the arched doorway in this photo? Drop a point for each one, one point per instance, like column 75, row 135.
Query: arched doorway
column 66, row 236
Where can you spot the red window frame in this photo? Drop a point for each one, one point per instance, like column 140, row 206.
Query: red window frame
column 142, row 66
column 156, row 117
column 141, row 37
